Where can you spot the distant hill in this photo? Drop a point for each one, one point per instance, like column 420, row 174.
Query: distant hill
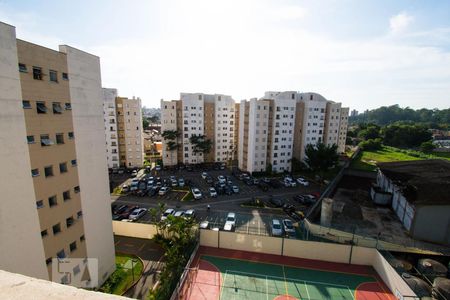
column 390, row 114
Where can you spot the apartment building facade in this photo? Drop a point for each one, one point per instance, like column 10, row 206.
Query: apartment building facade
column 197, row 114
column 130, row 132
column 110, row 119
column 55, row 201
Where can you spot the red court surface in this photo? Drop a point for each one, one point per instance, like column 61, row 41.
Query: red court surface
column 231, row 274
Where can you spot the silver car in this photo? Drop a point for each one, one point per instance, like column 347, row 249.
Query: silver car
column 277, row 230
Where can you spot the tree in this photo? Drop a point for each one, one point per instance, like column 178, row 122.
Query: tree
column 405, row 135
column 427, row 147
column 171, row 138
column 200, row 144
column 371, row 144
column 320, row 157
column 144, row 123
column 370, row 132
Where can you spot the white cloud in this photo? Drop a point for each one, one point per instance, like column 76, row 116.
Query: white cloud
column 400, row 22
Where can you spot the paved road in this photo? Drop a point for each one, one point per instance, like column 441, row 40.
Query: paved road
column 150, row 253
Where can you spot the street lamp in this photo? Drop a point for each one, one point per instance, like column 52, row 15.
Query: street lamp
column 132, row 266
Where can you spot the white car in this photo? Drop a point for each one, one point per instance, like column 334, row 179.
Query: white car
column 288, row 227
column 181, row 182
column 190, row 213
column 158, row 168
column 221, row 179
column 134, row 173
column 288, row 182
column 179, row 214
column 212, row 192
column 302, row 181
column 197, row 194
column 204, row 175
column 163, row 191
column 231, row 220
column 168, row 212
column 137, row 213
column 235, row 189
column 277, row 230
column 204, row 225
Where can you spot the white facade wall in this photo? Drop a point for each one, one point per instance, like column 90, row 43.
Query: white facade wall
column 134, row 138
column 110, row 119
column 224, row 127
column 343, row 128
column 333, row 116
column 21, row 243
column 87, row 111
column 313, row 120
column 282, row 143
column 169, row 122
column 193, row 114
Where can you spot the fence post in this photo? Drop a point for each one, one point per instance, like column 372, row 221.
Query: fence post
column 218, row 238
column 282, row 246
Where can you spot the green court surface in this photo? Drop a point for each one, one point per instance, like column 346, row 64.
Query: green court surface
column 243, row 279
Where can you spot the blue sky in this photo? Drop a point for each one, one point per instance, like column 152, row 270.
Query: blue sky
column 362, row 53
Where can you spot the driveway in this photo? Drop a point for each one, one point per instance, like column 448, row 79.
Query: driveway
column 150, row 253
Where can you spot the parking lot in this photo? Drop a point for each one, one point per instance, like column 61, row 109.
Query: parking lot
column 249, row 219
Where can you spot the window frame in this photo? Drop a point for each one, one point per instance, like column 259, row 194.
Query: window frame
column 37, row 75
column 50, row 72
column 24, row 106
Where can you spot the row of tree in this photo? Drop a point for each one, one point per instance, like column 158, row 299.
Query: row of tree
column 390, row 114
column 200, row 144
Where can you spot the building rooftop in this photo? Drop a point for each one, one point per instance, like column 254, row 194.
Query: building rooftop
column 421, row 181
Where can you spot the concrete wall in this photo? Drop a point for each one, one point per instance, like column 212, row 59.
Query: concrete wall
column 87, row 109
column 315, row 250
column 19, row 223
column 432, row 223
column 137, row 230
column 209, row 238
column 390, row 277
column 247, row 242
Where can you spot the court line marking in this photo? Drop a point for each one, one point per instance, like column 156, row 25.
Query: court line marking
column 267, row 289
column 288, row 278
column 223, row 285
column 307, row 292
column 285, row 283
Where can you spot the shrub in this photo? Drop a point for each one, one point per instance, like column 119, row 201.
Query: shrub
column 371, row 144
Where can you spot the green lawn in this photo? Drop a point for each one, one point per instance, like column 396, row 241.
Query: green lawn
column 366, row 160
column 122, row 278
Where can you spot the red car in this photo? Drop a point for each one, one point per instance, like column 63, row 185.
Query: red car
column 128, row 211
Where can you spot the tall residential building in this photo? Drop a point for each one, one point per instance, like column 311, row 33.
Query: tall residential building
column 129, row 128
column 294, row 120
column 212, row 116
column 55, row 195
column 109, row 115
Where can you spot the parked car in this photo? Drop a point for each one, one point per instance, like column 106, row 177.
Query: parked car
column 197, row 193
column 163, row 190
column 179, row 214
column 263, row 186
column 168, row 212
column 266, row 180
column 235, row 189
column 158, row 168
column 181, row 182
column 190, row 213
column 305, row 199
column 212, row 192
column 204, row 175
column 127, row 212
column 277, row 202
column 288, row 227
column 288, row 208
column 228, row 190
column 204, row 225
column 277, row 230
column 231, row 219
column 288, row 182
column 125, row 188
column 117, row 210
column 153, row 191
column 173, row 182
column 137, row 213
column 134, row 184
column 302, row 181
column 221, row 179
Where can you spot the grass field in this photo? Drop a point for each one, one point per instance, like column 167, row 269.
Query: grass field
column 122, row 278
column 367, row 160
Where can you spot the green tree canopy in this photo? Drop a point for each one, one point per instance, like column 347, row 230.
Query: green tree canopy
column 200, row 144
column 320, row 157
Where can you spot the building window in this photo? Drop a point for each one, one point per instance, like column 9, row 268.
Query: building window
column 61, row 254
column 68, row 106
column 57, row 109
column 48, row 261
column 39, row 204
column 65, row 76
column 73, row 162
column 66, row 195
column 76, row 189
column 48, row 171
column 30, row 139
column 52, row 201
column 44, row 233
column 41, row 108
column 73, row 246
column 37, row 73
column 60, row 138
column 76, row 269
column 79, row 214
column 23, row 68
column 56, row 228
column 53, row 75
column 71, row 135
column 69, row 222
column 26, row 104
column 63, row 167
column 35, row 172
column 82, row 238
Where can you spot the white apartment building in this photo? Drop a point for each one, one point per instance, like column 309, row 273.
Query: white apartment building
column 224, row 126
column 130, row 132
column 192, row 117
column 169, row 122
column 332, row 123
column 110, row 119
column 253, row 135
column 343, row 127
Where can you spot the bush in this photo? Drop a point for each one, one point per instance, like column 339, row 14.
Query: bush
column 118, row 276
column 255, row 202
column 371, row 144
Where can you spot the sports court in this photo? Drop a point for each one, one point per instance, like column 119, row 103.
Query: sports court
column 229, row 274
